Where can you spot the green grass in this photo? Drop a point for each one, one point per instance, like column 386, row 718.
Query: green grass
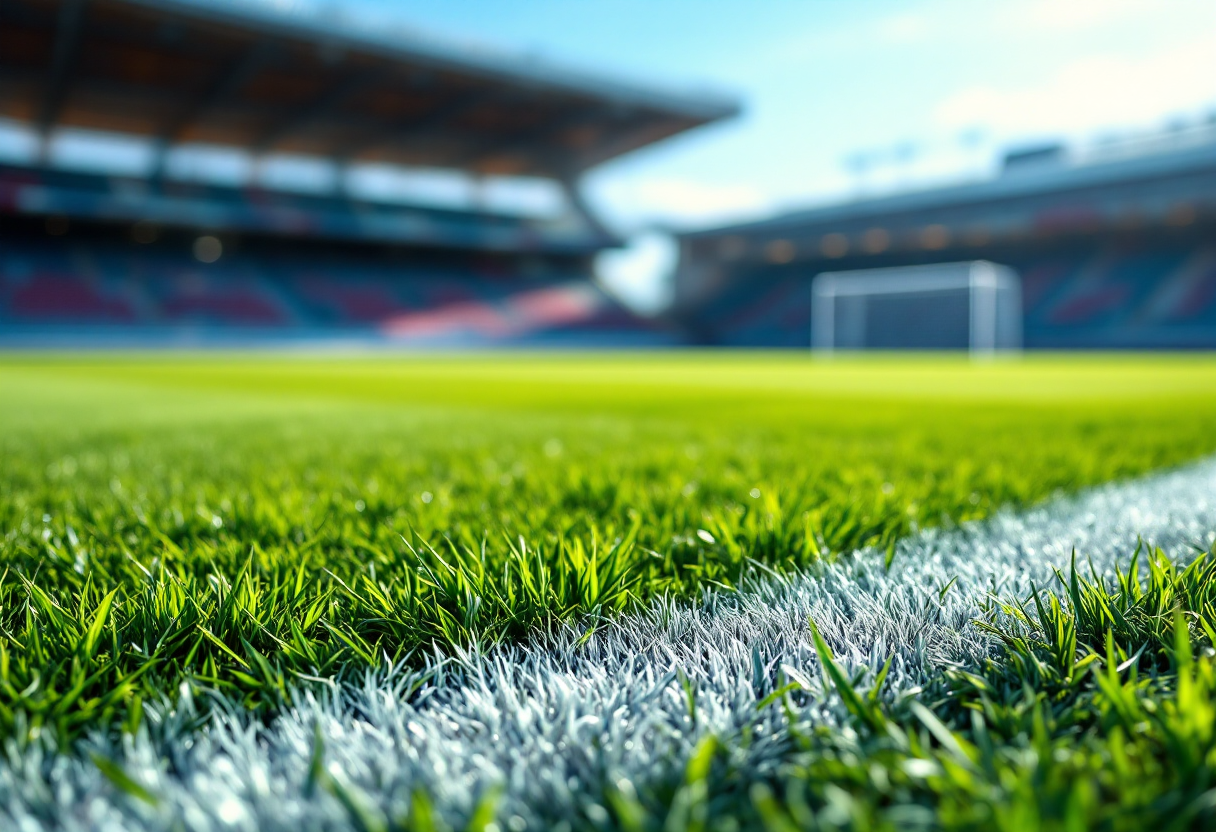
column 245, row 523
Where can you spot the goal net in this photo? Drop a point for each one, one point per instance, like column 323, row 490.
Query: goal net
column 975, row 306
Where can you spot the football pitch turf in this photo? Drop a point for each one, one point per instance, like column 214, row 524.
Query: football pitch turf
column 603, row 591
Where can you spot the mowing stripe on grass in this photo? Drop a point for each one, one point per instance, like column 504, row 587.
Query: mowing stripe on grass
column 549, row 731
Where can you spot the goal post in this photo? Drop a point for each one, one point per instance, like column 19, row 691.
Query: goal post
column 974, row 306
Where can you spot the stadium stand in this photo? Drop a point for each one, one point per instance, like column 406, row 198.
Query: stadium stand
column 89, row 286
column 1117, row 251
column 153, row 256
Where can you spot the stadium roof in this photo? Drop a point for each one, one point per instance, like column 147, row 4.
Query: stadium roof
column 254, row 77
column 1152, row 182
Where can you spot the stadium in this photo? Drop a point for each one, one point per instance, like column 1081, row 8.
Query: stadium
column 1113, row 248
column 116, row 257
column 338, row 495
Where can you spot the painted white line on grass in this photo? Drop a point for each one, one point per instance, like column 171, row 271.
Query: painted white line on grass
column 553, row 724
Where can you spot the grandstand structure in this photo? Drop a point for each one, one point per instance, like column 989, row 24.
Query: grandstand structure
column 1115, row 248
column 154, row 254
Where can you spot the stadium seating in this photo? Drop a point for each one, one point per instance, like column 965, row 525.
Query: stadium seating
column 1141, row 295
column 1151, row 296
column 61, row 297
column 765, row 311
column 104, row 286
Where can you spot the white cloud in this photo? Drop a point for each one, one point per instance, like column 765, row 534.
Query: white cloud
column 1092, row 93
column 1070, row 15
column 907, row 27
column 679, row 200
column 811, row 45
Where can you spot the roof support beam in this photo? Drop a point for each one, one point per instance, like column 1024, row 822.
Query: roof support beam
column 63, row 62
column 573, row 192
column 225, row 83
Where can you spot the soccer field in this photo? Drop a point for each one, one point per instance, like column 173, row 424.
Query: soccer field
column 302, row 550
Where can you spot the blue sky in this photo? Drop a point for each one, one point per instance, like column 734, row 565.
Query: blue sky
column 846, row 97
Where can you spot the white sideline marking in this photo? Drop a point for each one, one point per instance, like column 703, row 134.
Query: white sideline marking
column 553, row 725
